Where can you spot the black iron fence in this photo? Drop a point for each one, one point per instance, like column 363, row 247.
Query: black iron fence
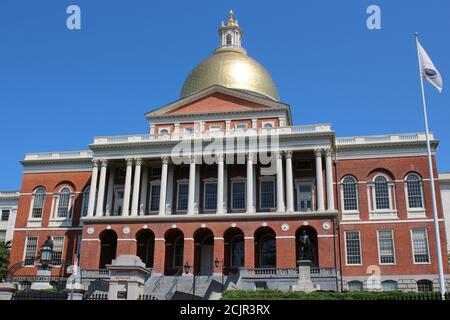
column 39, row 295
column 146, row 297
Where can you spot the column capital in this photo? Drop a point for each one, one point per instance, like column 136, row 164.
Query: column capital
column 193, row 159
column 318, row 152
column 95, row 163
column 288, row 154
column 165, row 159
column 219, row 157
column 138, row 161
column 129, row 161
column 104, row 163
column 328, row 152
column 279, row 154
column 250, row 156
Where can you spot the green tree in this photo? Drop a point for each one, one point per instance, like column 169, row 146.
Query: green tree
column 4, row 259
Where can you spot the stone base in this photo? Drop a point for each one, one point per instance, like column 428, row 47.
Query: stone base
column 7, row 290
column 305, row 286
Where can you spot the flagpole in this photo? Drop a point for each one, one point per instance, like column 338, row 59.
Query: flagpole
column 433, row 191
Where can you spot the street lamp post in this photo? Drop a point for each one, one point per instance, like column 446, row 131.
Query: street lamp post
column 47, row 253
column 187, row 267
column 216, row 264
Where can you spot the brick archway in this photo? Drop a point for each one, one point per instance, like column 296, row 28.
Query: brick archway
column 234, row 250
column 265, row 248
column 174, row 256
column 145, row 246
column 108, row 247
column 312, row 238
column 203, row 251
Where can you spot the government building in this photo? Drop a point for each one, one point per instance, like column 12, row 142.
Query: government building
column 225, row 186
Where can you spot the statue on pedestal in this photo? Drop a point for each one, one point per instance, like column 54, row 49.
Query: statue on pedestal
column 305, row 247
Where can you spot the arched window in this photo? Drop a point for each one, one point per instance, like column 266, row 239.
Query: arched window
column 37, row 203
column 389, row 285
column 237, row 251
column 355, row 285
column 85, row 204
column 414, row 191
column 178, row 249
column 229, row 40
column 382, row 198
column 163, row 131
column 424, row 286
column 350, row 194
column 267, row 252
column 268, row 125
column 63, row 203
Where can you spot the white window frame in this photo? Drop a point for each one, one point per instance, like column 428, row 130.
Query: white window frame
column 414, row 213
column 265, row 179
column 174, row 250
column 205, row 182
column 393, row 248
column 63, row 247
column 271, row 122
column 151, row 185
column 240, row 180
column 241, row 126
column 163, row 128
column 84, row 199
column 381, row 214
column 25, row 250
column 180, row 182
column 360, row 249
column 310, row 181
column 36, row 221
column 349, row 214
column 55, row 208
column 428, row 246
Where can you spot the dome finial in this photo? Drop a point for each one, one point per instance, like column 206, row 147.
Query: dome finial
column 231, row 22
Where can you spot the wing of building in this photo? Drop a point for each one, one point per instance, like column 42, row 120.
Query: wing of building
column 225, row 182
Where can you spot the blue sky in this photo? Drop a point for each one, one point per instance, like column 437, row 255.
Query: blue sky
column 60, row 88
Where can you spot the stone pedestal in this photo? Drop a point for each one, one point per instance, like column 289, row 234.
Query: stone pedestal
column 75, row 289
column 42, row 285
column 127, row 278
column 304, row 277
column 7, row 290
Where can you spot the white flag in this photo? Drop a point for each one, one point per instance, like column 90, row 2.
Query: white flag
column 428, row 69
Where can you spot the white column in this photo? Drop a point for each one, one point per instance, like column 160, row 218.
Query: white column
column 225, row 188
column 163, row 187
column 127, row 189
column 289, row 183
column 101, row 188
column 169, row 195
column 136, row 184
column 109, row 195
column 220, row 185
column 143, row 197
column 250, row 207
column 280, row 186
column 329, row 176
column 319, row 180
column 93, row 189
column 191, row 195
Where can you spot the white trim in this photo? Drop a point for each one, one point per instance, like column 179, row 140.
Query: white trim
column 205, row 182
column 389, row 221
column 428, row 246
column 84, row 239
column 238, row 180
column 284, row 237
column 25, row 249
column 62, row 249
column 326, row 236
column 393, row 248
column 125, row 239
column 265, row 179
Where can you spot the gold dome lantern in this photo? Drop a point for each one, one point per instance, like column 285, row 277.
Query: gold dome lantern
column 231, row 67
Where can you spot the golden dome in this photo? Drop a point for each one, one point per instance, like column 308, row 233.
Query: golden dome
column 230, row 67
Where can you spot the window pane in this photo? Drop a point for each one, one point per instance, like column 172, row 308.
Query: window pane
column 183, row 190
column 85, row 201
column 63, row 206
column 353, row 247
column 210, row 196
column 424, row 286
column 178, row 252
column 237, row 251
column 389, row 285
column 386, row 246
column 238, row 194
column 58, row 244
column 30, row 250
column 38, row 203
column 154, row 198
column 267, row 194
column 5, row 215
column 420, row 246
column 350, row 195
column 414, row 188
column 381, row 193
column 355, row 286
column 268, row 251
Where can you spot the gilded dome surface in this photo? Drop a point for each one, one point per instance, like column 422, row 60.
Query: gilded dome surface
column 231, row 68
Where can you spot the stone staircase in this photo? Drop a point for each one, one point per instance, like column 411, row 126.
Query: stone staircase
column 180, row 287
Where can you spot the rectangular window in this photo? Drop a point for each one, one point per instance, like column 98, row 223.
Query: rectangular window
column 386, row 250
column 58, row 246
column 353, row 247
column 267, row 194
column 238, row 195
column 241, row 126
column 156, row 172
column 31, row 244
column 5, row 215
column 188, row 130
column 304, row 165
column 155, row 191
column 210, row 195
column 183, row 190
column 420, row 246
column 215, row 128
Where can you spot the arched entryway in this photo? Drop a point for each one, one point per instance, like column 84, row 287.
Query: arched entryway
column 265, row 248
column 306, row 245
column 108, row 246
column 174, row 252
column 145, row 246
column 204, row 251
column 234, row 250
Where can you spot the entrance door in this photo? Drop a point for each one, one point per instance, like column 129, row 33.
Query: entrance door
column 118, row 202
column 305, row 196
column 206, row 265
